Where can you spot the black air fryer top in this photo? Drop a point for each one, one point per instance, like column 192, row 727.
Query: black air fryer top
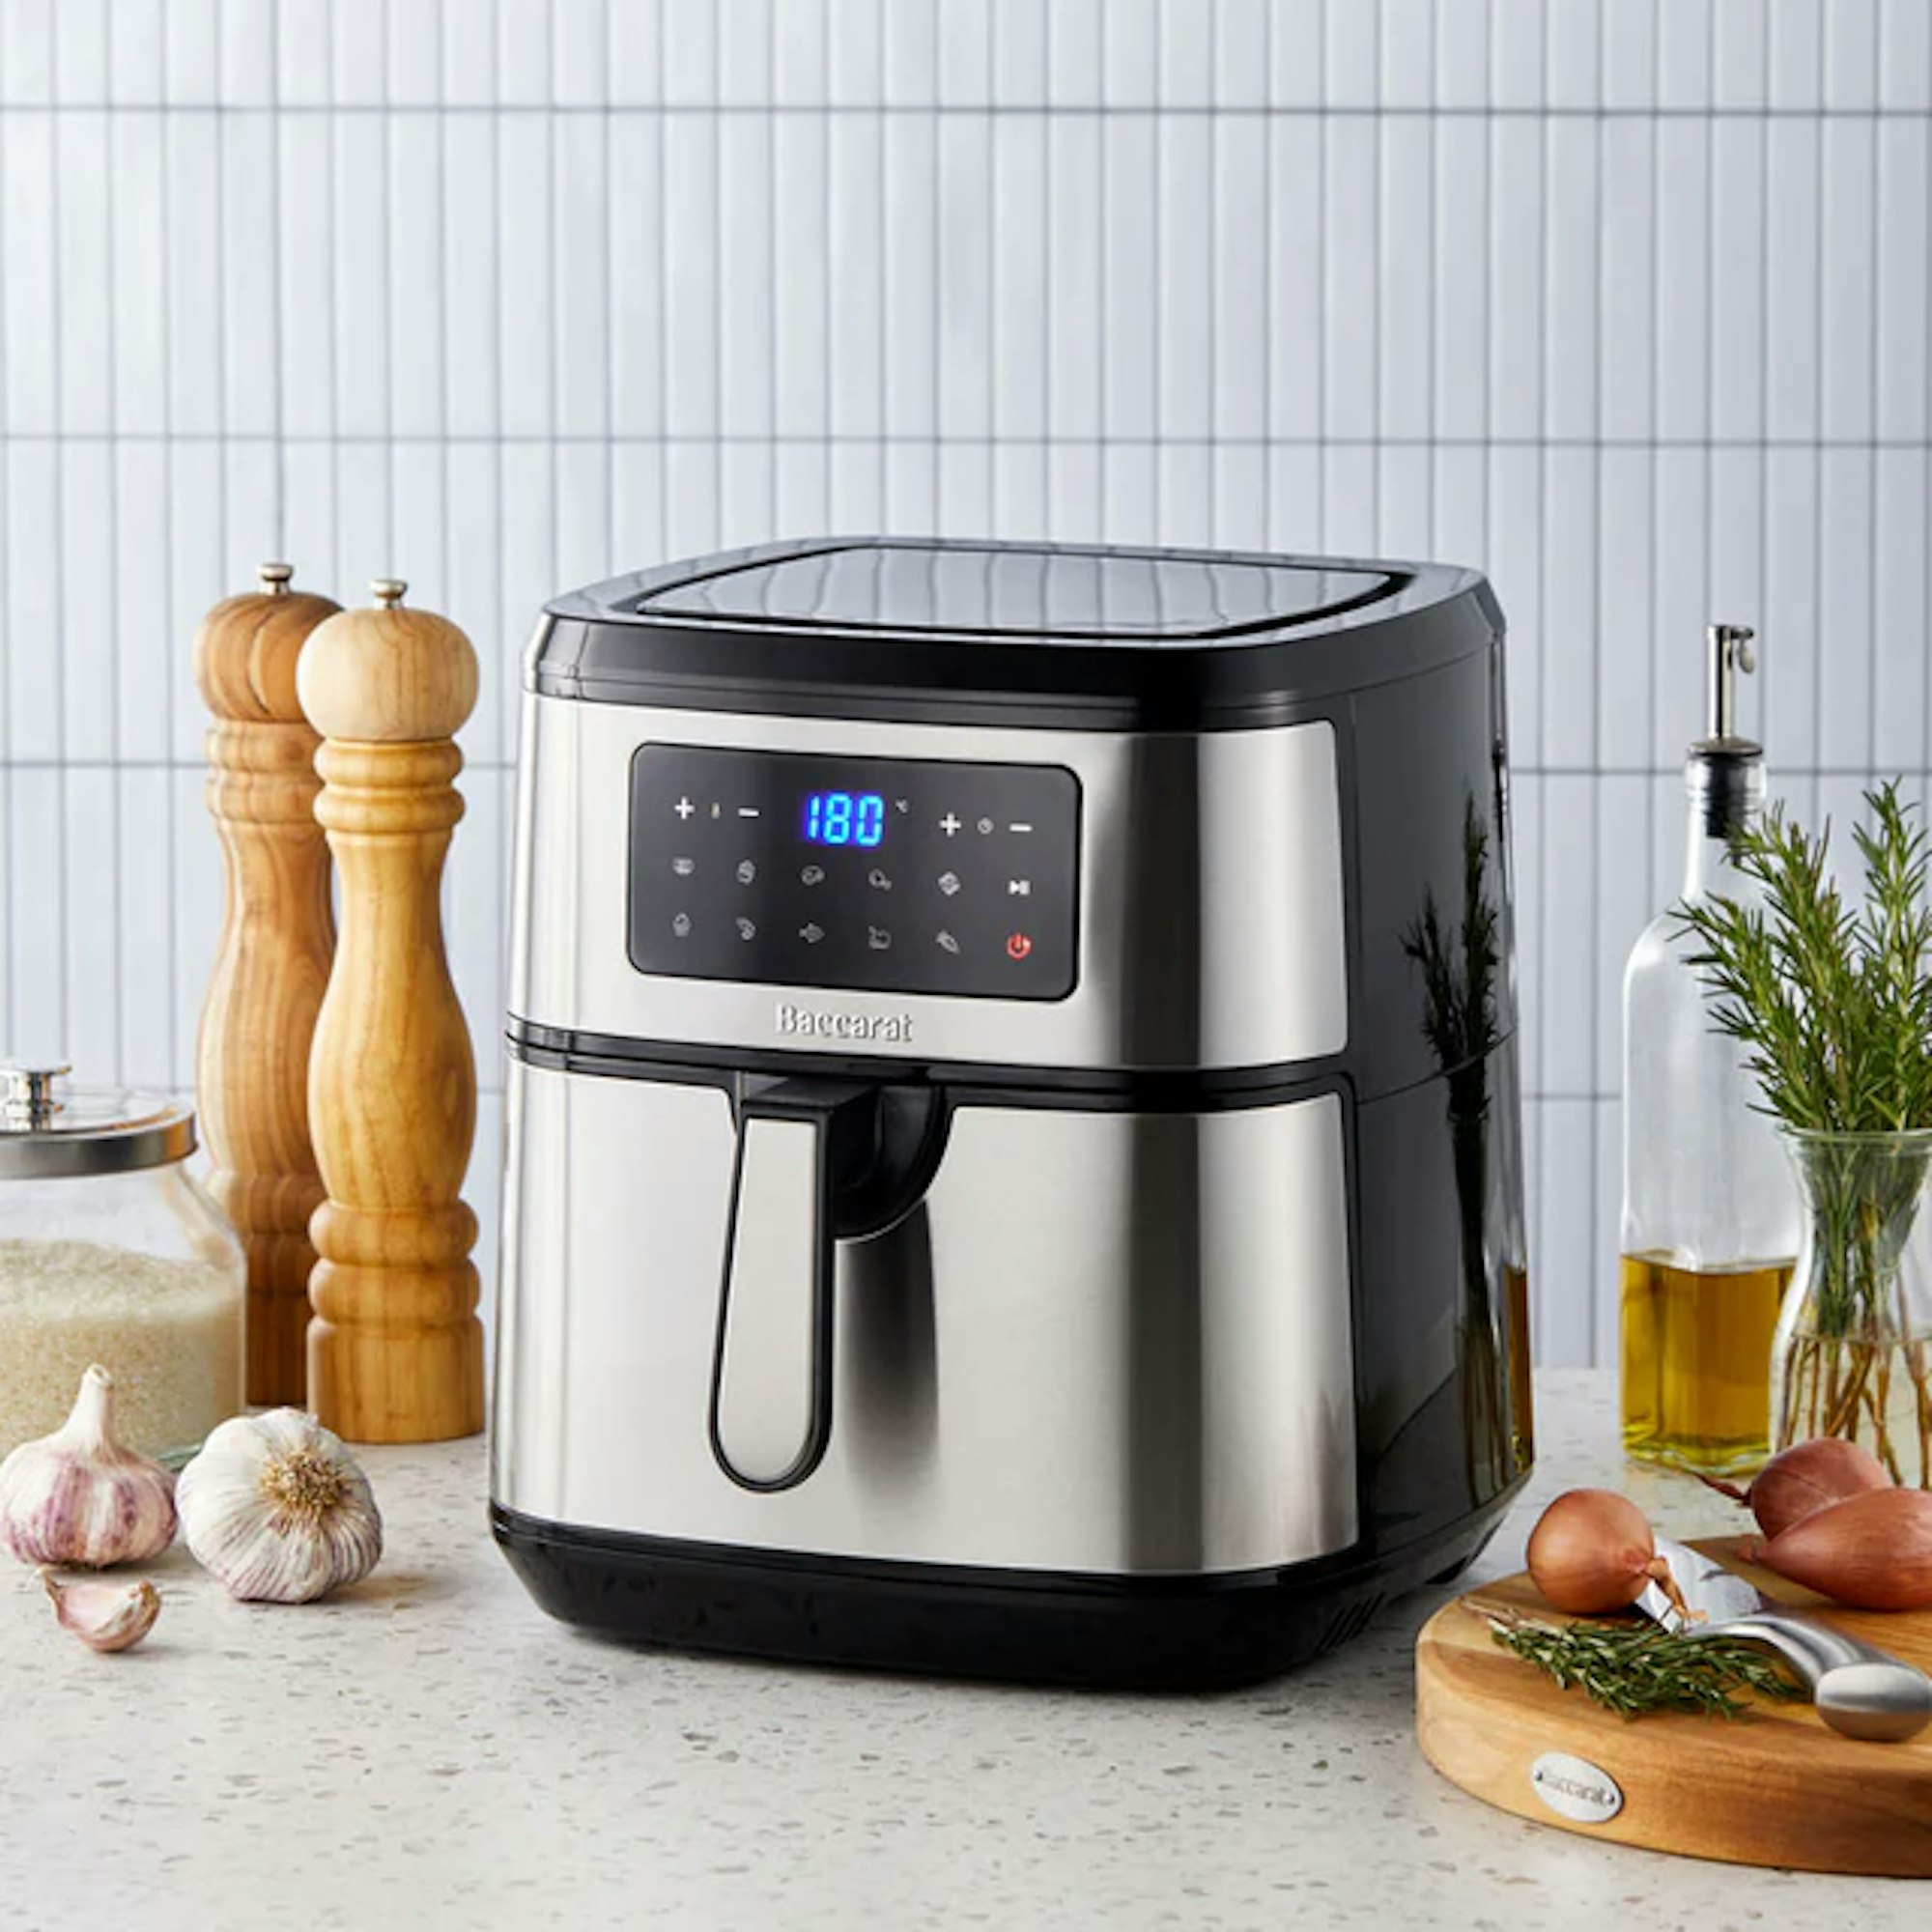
column 984, row 633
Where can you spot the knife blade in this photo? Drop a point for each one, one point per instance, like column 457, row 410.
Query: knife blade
column 1859, row 1690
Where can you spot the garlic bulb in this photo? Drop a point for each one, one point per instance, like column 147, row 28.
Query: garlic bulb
column 105, row 1616
column 78, row 1498
column 276, row 1508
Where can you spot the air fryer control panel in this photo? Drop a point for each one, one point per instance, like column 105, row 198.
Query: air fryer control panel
column 876, row 874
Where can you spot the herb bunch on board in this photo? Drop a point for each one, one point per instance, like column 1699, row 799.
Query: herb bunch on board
column 1634, row 1668
column 1830, row 1003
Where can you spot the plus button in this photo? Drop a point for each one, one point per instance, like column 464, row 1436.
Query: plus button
column 948, row 825
column 684, row 807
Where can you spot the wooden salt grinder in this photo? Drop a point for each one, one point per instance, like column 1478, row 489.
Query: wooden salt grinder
column 395, row 1350
column 251, row 1063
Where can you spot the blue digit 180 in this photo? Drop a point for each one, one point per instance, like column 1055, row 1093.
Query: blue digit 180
column 844, row 819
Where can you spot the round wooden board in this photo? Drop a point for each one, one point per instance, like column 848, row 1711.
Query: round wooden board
column 1774, row 1787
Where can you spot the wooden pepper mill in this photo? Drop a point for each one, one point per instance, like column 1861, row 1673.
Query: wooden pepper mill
column 395, row 1350
column 251, row 1063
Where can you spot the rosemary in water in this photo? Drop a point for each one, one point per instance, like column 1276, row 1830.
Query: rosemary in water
column 1831, row 1004
column 1633, row 1669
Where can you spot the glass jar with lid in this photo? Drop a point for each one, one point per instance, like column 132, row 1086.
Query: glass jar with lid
column 111, row 1252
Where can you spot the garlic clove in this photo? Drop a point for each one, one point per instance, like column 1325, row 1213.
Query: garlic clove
column 105, row 1616
column 275, row 1507
column 78, row 1498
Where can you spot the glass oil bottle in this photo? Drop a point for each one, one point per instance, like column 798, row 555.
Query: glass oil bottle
column 1710, row 1216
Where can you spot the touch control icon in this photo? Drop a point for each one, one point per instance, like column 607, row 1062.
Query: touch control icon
column 746, row 929
column 878, row 938
column 811, row 875
column 684, row 867
column 681, row 925
column 747, row 871
column 949, row 883
column 1018, row 945
column 945, row 942
column 878, row 881
column 812, row 932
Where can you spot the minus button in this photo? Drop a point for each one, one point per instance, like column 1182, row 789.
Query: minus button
column 1019, row 825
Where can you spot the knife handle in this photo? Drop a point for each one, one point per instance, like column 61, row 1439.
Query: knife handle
column 1860, row 1690
column 1810, row 1647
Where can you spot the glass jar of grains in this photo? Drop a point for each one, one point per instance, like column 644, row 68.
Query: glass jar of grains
column 110, row 1252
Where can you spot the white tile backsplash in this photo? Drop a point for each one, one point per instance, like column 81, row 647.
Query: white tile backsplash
column 1406, row 250
column 1905, row 55
column 1018, row 269
column 1351, row 254
column 1514, row 256
column 1625, row 301
column 1902, row 232
column 1901, row 595
column 1183, row 306
column 962, row 233
column 1237, row 267
column 1733, row 360
column 1847, row 529
column 1292, row 239
column 800, row 290
column 1125, row 330
column 1794, row 301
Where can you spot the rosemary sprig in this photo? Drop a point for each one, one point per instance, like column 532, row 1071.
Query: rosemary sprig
column 1831, row 1004
column 1633, row 1669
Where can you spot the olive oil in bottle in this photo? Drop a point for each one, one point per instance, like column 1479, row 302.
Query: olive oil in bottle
column 1710, row 1214
column 1696, row 1343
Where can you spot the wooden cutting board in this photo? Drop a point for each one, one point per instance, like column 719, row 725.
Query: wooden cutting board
column 1774, row 1787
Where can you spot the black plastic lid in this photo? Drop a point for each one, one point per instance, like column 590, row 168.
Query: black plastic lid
column 982, row 591
column 1103, row 638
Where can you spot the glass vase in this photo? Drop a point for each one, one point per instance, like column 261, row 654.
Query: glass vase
column 1853, row 1353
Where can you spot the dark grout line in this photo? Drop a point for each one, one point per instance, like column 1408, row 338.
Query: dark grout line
column 647, row 439
column 980, row 110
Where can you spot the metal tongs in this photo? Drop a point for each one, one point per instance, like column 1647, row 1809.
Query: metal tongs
column 1859, row 1690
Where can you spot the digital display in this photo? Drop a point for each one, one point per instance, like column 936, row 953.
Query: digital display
column 884, row 875
column 844, row 819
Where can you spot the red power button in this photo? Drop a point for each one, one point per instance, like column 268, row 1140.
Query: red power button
column 1018, row 945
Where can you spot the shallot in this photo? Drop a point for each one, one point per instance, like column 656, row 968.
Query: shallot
column 1592, row 1551
column 1872, row 1551
column 1808, row 1477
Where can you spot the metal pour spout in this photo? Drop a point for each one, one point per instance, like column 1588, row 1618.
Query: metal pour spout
column 1731, row 652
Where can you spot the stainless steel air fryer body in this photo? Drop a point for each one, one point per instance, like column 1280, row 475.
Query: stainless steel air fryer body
column 1013, row 1158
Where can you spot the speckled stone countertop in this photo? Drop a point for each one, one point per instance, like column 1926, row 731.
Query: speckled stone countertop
column 430, row 1750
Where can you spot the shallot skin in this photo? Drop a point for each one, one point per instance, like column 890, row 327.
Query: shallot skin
column 1808, row 1477
column 1872, row 1551
column 1592, row 1551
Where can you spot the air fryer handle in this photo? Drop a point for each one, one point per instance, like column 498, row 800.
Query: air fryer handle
column 771, row 1370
